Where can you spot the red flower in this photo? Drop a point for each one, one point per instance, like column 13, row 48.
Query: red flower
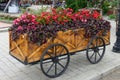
column 88, row 15
column 65, row 20
column 69, row 10
column 54, row 10
column 54, row 17
column 95, row 14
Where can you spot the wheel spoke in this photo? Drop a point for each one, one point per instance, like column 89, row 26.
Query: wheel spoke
column 96, row 44
column 61, row 65
column 92, row 55
column 99, row 54
column 56, row 60
column 55, row 68
column 50, row 67
column 61, row 51
column 48, row 53
column 95, row 57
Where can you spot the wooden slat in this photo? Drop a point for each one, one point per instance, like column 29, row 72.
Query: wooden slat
column 21, row 53
column 33, row 52
column 38, row 49
column 17, row 45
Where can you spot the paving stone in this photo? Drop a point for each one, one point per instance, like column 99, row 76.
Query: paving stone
column 5, row 78
column 10, row 74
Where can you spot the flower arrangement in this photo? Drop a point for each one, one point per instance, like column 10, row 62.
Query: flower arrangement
column 41, row 27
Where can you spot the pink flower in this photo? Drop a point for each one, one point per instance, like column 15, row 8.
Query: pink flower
column 23, row 16
column 84, row 20
column 24, row 20
column 16, row 21
column 33, row 17
column 76, row 15
column 20, row 28
column 33, row 27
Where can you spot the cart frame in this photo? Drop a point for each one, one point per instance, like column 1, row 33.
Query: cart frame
column 58, row 54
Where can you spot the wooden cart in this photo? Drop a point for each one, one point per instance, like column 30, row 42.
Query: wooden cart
column 56, row 52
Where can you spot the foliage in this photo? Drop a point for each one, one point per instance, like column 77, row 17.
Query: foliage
column 109, row 4
column 7, row 18
column 112, row 16
column 47, row 24
column 76, row 4
column 93, row 3
column 37, row 11
column 105, row 6
column 3, row 0
column 114, row 3
column 22, row 10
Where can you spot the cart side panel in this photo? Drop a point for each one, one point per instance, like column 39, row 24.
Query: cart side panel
column 24, row 50
column 107, row 38
column 18, row 48
column 74, row 41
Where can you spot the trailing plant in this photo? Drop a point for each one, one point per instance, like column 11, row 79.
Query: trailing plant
column 41, row 27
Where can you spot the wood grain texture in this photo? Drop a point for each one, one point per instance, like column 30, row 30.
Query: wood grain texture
column 23, row 49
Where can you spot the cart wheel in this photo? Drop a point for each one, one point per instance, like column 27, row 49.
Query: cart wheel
column 95, row 50
column 55, row 60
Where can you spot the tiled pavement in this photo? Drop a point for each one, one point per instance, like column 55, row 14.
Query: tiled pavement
column 79, row 68
column 115, row 75
column 3, row 25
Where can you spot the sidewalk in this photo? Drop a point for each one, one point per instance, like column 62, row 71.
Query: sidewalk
column 4, row 25
column 79, row 68
column 115, row 75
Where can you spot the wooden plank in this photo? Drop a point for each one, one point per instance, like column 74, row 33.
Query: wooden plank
column 72, row 41
column 38, row 49
column 17, row 45
column 21, row 53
